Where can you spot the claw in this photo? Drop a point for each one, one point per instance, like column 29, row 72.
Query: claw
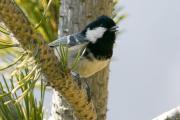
column 82, row 83
column 88, row 90
column 77, row 78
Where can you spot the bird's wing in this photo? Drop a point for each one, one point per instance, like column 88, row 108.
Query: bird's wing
column 70, row 40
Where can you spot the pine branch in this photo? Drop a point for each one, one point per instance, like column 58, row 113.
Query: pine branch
column 19, row 25
column 173, row 114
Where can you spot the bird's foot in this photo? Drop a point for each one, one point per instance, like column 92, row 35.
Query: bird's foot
column 77, row 78
column 82, row 84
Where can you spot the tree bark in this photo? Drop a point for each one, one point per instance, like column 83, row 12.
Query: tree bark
column 75, row 15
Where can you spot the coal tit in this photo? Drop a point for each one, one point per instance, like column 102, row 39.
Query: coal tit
column 95, row 43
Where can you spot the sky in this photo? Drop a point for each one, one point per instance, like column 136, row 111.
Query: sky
column 145, row 69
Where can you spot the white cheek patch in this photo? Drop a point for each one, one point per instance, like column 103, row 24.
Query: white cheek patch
column 94, row 34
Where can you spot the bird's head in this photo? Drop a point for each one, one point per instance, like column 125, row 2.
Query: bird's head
column 100, row 28
column 101, row 36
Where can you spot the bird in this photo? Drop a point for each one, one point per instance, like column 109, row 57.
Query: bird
column 94, row 43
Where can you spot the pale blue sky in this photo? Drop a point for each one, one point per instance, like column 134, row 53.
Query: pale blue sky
column 145, row 72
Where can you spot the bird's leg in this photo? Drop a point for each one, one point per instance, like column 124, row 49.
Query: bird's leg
column 87, row 88
column 77, row 78
column 82, row 84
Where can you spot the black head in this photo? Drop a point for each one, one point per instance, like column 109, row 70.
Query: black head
column 101, row 36
column 102, row 21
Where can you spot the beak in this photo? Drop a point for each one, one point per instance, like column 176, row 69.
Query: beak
column 114, row 29
column 70, row 40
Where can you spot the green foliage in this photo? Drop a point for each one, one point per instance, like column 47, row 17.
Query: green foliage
column 17, row 100
column 118, row 13
column 43, row 14
column 7, row 44
column 63, row 54
column 17, row 97
column 8, row 47
column 4, row 30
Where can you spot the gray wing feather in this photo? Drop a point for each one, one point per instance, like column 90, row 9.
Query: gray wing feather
column 70, row 40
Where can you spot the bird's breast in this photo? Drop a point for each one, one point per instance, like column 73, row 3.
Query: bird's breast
column 87, row 68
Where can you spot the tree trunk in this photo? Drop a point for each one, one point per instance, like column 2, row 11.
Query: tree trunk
column 75, row 15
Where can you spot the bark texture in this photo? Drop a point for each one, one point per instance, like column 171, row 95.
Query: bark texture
column 22, row 29
column 75, row 15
